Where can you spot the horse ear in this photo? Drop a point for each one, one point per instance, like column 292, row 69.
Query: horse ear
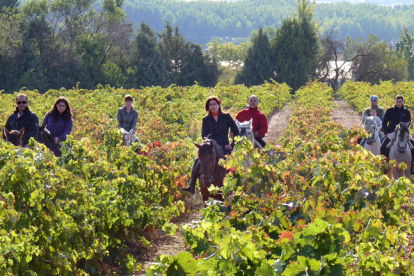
column 211, row 144
column 20, row 134
column 197, row 145
column 251, row 121
column 6, row 132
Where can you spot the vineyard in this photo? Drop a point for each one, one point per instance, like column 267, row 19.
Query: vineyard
column 315, row 204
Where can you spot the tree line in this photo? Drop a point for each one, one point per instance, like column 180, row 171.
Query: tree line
column 68, row 43
column 199, row 21
column 297, row 53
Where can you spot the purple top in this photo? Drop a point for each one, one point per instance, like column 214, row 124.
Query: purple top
column 58, row 129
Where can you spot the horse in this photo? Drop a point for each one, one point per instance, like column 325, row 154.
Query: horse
column 372, row 143
column 246, row 130
column 129, row 138
column 401, row 149
column 209, row 154
column 14, row 136
column 44, row 137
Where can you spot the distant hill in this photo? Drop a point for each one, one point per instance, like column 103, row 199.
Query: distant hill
column 198, row 21
column 201, row 20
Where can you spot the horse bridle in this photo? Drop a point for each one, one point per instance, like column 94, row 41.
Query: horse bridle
column 372, row 137
column 403, row 148
column 211, row 177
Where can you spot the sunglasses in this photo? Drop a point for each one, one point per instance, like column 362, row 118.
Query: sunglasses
column 21, row 102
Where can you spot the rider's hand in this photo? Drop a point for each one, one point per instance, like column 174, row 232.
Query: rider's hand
column 56, row 140
column 228, row 147
column 256, row 134
column 388, row 136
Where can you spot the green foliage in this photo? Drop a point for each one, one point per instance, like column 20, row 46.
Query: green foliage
column 257, row 65
column 69, row 215
column 317, row 204
column 294, row 47
column 405, row 49
column 375, row 61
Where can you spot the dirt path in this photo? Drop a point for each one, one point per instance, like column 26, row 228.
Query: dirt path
column 345, row 115
column 277, row 123
column 163, row 244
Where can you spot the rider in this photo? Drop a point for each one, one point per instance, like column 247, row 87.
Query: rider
column 380, row 112
column 259, row 119
column 374, row 104
column 23, row 117
column 59, row 120
column 216, row 125
column 128, row 117
column 393, row 116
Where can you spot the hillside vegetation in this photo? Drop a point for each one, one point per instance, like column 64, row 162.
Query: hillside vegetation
column 199, row 21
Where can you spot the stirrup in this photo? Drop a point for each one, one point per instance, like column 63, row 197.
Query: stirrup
column 189, row 190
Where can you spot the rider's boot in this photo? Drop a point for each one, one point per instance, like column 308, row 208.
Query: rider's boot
column 194, row 175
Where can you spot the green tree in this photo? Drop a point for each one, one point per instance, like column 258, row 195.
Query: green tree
column 12, row 4
column 257, row 66
column 405, row 50
column 375, row 61
column 294, row 48
column 173, row 48
column 149, row 65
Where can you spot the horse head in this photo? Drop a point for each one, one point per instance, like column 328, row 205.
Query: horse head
column 14, row 136
column 372, row 130
column 403, row 136
column 209, row 154
column 246, row 130
column 44, row 137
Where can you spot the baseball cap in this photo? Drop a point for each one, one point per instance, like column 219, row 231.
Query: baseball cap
column 374, row 98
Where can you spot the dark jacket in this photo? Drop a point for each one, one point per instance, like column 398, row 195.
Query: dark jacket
column 393, row 116
column 28, row 120
column 219, row 130
column 127, row 120
column 59, row 129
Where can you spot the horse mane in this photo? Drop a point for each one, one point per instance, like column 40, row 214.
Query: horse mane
column 206, row 149
column 404, row 129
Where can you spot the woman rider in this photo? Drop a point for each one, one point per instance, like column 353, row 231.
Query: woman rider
column 59, row 120
column 128, row 117
column 216, row 124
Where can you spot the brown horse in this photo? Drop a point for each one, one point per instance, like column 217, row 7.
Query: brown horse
column 14, row 136
column 209, row 154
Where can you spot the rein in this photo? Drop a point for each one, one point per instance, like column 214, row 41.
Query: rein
column 211, row 177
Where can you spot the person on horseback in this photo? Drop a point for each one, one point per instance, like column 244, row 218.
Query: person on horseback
column 374, row 104
column 127, row 118
column 23, row 117
column 393, row 116
column 216, row 125
column 259, row 119
column 59, row 120
column 380, row 112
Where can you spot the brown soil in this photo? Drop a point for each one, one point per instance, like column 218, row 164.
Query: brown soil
column 277, row 123
column 345, row 115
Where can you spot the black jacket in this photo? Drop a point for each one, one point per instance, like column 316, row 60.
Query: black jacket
column 393, row 116
column 28, row 120
column 219, row 130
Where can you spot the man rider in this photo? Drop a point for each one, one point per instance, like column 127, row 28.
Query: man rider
column 393, row 116
column 259, row 119
column 23, row 117
column 374, row 104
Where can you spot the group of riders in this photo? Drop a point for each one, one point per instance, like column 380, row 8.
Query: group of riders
column 216, row 124
column 387, row 120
